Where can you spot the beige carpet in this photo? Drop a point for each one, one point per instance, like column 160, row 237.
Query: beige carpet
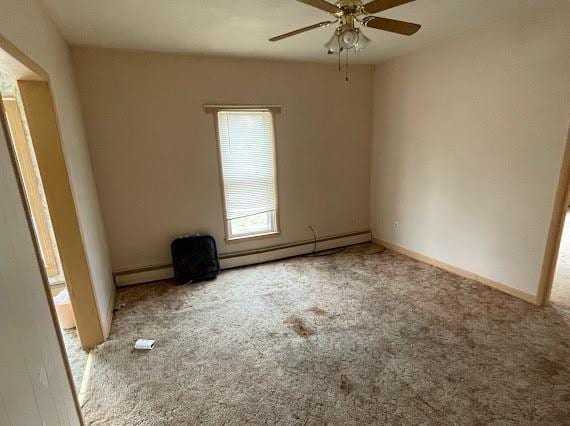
column 354, row 338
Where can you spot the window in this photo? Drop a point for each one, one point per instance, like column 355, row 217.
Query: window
column 247, row 155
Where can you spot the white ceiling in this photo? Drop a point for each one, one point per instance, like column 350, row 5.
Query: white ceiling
column 242, row 27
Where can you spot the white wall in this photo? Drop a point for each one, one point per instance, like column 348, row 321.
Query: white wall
column 24, row 23
column 154, row 148
column 467, row 146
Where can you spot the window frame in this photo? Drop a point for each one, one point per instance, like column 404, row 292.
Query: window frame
column 276, row 231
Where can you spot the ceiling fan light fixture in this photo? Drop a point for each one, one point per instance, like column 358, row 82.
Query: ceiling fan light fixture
column 333, row 45
column 363, row 41
column 348, row 38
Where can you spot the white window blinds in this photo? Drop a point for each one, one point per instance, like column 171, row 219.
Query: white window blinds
column 247, row 152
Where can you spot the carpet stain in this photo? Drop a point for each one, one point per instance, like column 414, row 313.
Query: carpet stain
column 345, row 385
column 299, row 326
column 551, row 368
column 318, row 311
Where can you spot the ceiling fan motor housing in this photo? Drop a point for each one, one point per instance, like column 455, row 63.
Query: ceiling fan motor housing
column 349, row 9
column 349, row 3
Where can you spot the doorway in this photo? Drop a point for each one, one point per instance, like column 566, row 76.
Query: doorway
column 29, row 125
column 34, row 192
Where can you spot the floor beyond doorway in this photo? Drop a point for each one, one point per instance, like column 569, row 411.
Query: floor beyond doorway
column 560, row 294
column 358, row 337
column 76, row 356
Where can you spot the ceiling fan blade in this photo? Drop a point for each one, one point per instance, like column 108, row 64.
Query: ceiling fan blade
column 392, row 25
column 380, row 5
column 322, row 4
column 301, row 30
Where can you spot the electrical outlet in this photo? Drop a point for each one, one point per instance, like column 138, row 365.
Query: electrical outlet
column 396, row 225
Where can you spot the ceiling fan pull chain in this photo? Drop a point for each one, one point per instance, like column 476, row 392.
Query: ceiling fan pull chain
column 346, row 67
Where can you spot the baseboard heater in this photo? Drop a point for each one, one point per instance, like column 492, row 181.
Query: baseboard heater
column 245, row 257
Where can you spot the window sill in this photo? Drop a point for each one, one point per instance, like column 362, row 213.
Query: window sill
column 253, row 237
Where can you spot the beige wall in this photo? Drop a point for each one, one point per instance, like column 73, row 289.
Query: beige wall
column 467, row 146
column 24, row 24
column 154, row 147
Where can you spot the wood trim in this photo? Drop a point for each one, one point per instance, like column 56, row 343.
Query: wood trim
column 265, row 235
column 33, row 188
column 109, row 315
column 221, row 174
column 44, row 131
column 244, row 238
column 458, row 271
column 561, row 200
column 17, row 64
column 85, row 379
column 276, row 168
column 44, row 277
column 213, row 108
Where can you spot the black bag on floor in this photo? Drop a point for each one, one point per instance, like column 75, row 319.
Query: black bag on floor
column 194, row 258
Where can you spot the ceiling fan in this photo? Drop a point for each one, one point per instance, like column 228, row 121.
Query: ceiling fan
column 350, row 15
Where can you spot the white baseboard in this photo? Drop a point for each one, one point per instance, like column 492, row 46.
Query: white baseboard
column 251, row 257
column 531, row 298
column 139, row 277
